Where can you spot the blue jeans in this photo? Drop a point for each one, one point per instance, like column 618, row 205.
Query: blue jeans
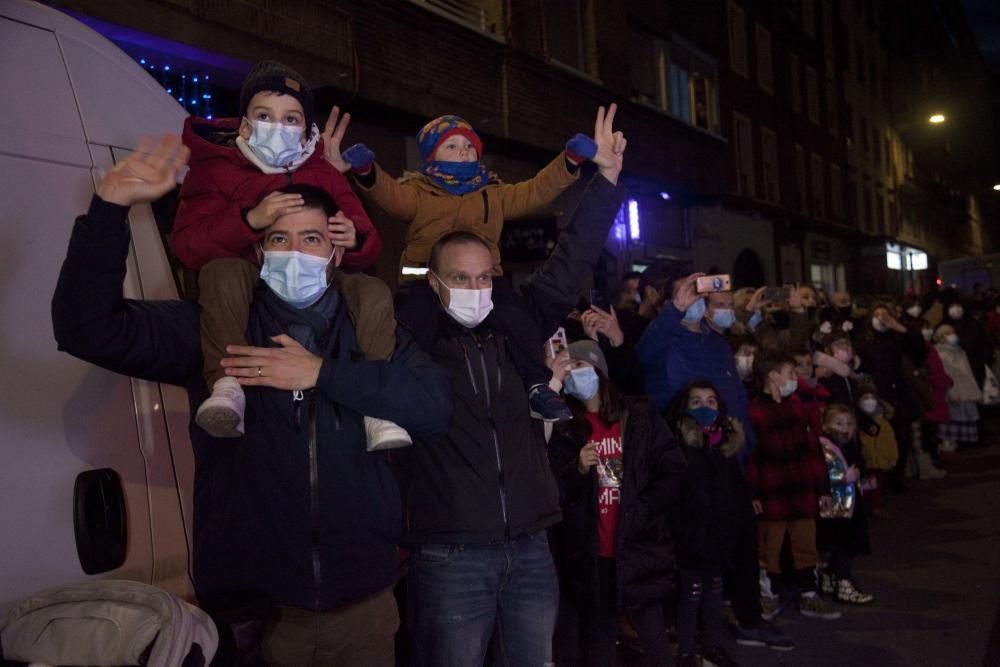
column 461, row 596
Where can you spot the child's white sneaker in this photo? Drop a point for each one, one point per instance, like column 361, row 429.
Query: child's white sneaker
column 384, row 434
column 221, row 415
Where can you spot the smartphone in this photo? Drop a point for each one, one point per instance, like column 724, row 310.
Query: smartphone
column 557, row 342
column 598, row 298
column 775, row 294
column 716, row 283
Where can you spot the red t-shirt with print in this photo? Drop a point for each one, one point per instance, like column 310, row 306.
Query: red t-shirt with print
column 608, row 440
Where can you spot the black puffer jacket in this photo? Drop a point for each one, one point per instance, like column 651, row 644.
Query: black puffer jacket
column 653, row 467
column 488, row 479
column 714, row 504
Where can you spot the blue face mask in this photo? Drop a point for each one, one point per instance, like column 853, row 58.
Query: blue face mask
column 723, row 318
column 695, row 311
column 275, row 144
column 704, row 416
column 755, row 320
column 299, row 279
column 582, row 383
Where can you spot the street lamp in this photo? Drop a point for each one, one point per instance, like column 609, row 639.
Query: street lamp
column 937, row 118
column 997, row 187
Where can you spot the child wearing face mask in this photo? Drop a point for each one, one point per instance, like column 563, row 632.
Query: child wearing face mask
column 231, row 194
column 787, row 477
column 842, row 530
column 619, row 470
column 714, row 507
column 964, row 394
column 453, row 191
column 879, row 448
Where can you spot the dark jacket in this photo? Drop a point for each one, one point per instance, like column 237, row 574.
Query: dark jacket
column 297, row 508
column 714, row 505
column 653, row 467
column 223, row 185
column 488, row 479
column 672, row 355
column 886, row 357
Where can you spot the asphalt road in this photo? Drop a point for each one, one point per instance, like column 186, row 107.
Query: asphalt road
column 935, row 571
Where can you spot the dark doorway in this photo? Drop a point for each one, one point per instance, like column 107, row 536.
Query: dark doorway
column 748, row 270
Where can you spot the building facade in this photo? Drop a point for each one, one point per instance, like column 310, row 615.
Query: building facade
column 776, row 141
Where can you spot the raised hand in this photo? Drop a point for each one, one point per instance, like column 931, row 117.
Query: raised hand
column 606, row 323
column 757, row 300
column 610, row 144
column 559, row 364
column 147, row 174
column 795, row 299
column 272, row 207
column 686, row 293
column 333, row 135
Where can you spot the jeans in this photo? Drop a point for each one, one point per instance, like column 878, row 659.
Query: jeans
column 461, row 597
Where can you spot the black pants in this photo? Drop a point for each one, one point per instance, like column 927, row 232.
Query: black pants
column 700, row 596
column 742, row 583
column 586, row 635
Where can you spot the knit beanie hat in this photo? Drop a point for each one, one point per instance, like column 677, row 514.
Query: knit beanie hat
column 866, row 387
column 434, row 133
column 273, row 76
column 589, row 351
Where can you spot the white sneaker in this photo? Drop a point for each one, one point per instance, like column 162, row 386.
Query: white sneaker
column 926, row 468
column 384, row 434
column 221, row 415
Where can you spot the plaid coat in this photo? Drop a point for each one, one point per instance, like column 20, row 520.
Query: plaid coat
column 786, row 471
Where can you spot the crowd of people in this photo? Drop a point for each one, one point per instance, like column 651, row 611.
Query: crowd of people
column 551, row 478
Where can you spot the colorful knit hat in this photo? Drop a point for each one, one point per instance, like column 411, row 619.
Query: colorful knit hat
column 274, row 76
column 434, row 133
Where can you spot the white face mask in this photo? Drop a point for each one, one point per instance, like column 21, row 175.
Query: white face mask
column 955, row 312
column 914, row 311
column 878, row 325
column 275, row 144
column 468, row 307
column 744, row 365
column 788, row 387
column 951, row 339
column 927, row 333
column 299, row 279
column 869, row 405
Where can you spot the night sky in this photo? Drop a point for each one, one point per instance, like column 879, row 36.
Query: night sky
column 984, row 17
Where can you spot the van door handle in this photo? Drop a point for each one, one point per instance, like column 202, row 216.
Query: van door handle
column 99, row 520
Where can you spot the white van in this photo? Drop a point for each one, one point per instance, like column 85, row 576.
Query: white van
column 96, row 471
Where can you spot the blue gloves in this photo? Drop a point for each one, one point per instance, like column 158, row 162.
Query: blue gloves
column 360, row 157
column 581, row 146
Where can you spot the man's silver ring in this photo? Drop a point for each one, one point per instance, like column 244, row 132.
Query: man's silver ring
column 260, row 371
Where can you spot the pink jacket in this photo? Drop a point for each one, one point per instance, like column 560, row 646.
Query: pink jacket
column 940, row 383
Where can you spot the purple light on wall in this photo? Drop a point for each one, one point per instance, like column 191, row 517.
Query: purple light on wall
column 665, row 196
column 634, row 230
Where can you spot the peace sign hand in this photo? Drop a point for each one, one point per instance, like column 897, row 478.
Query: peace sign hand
column 333, row 135
column 610, row 144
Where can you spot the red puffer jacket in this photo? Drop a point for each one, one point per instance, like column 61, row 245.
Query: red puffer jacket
column 222, row 185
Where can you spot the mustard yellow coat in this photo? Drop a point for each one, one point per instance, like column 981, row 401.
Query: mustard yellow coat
column 432, row 212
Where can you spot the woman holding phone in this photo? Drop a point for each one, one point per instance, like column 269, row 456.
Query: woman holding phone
column 618, row 468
